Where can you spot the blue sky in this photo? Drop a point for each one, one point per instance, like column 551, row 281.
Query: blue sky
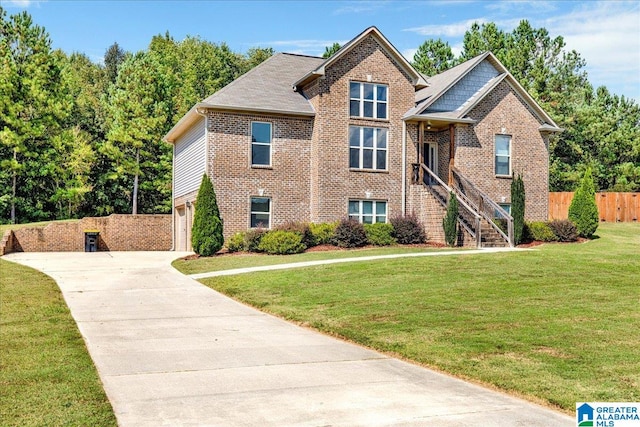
column 606, row 33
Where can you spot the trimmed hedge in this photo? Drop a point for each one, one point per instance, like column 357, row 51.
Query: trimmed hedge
column 408, row 230
column 237, row 243
column 281, row 242
column 540, row 231
column 380, row 234
column 350, row 234
column 324, row 232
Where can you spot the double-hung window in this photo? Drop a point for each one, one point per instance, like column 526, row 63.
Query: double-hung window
column 260, row 212
column 503, row 155
column 368, row 100
column 368, row 211
column 367, row 148
column 260, row 144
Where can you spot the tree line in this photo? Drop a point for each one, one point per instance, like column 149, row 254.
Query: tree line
column 79, row 138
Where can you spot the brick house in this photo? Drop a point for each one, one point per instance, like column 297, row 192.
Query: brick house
column 363, row 134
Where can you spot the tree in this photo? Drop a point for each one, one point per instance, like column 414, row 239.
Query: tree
column 433, row 57
column 206, row 233
column 34, row 102
column 517, row 208
column 137, row 119
column 113, row 58
column 329, row 51
column 450, row 221
column 583, row 210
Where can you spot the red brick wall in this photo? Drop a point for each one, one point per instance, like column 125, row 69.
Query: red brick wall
column 235, row 181
column 332, row 182
column 503, row 112
column 117, row 233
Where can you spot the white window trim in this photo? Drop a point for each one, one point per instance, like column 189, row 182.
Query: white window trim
column 495, row 155
column 375, row 149
column 361, row 100
column 269, row 213
column 270, row 144
column 360, row 215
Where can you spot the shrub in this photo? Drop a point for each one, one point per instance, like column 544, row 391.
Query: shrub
column 380, row 234
column 206, row 233
column 565, row 230
column 281, row 242
column 408, row 230
column 303, row 229
column 350, row 234
column 252, row 239
column 323, row 233
column 517, row 208
column 583, row 210
column 540, row 231
column 450, row 221
column 237, row 243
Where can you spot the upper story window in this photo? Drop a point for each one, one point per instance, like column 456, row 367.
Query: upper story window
column 367, row 148
column 503, row 155
column 260, row 144
column 368, row 100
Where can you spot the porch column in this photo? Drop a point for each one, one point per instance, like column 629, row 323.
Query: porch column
column 420, row 151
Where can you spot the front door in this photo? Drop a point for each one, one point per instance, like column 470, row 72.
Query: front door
column 431, row 160
column 181, row 229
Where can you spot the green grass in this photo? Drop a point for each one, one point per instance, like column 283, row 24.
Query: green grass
column 5, row 227
column 241, row 260
column 46, row 375
column 558, row 324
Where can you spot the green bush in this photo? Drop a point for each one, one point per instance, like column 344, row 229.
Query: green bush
column 408, row 230
column 540, row 231
column 565, row 230
column 350, row 234
column 237, row 243
column 583, row 210
column 517, row 208
column 206, row 233
column 303, row 229
column 281, row 242
column 450, row 221
column 252, row 239
column 379, row 234
column 323, row 233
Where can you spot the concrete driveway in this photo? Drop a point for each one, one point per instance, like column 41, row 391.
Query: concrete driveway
column 171, row 351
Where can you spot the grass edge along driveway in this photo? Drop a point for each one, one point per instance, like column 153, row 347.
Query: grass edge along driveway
column 46, row 374
column 555, row 325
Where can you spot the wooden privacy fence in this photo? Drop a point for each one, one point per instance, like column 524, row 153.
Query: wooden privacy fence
column 612, row 207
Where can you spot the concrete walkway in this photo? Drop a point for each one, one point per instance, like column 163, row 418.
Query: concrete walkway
column 171, row 351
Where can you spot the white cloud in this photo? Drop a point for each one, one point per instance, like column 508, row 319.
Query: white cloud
column 409, row 54
column 607, row 35
column 359, row 7
column 455, row 29
column 21, row 4
column 530, row 6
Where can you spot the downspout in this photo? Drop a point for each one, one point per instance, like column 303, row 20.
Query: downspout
column 452, row 152
column 173, row 199
column 404, row 168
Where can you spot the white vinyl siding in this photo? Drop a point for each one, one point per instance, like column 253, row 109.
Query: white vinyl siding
column 190, row 159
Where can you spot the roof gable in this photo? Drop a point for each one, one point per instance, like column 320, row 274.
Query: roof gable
column 456, row 91
column 417, row 79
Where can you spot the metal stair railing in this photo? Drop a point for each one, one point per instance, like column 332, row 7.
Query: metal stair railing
column 483, row 204
column 467, row 215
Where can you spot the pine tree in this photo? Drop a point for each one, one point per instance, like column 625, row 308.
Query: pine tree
column 206, row 233
column 583, row 211
column 450, row 221
column 517, row 208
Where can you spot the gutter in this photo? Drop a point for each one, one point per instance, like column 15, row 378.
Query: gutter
column 404, row 168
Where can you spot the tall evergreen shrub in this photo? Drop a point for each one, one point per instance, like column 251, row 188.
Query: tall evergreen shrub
column 583, row 210
column 450, row 221
column 517, row 208
column 206, row 233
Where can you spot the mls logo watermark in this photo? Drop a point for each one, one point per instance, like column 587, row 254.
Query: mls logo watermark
column 608, row 414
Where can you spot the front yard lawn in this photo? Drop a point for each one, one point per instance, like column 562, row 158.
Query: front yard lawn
column 46, row 375
column 557, row 324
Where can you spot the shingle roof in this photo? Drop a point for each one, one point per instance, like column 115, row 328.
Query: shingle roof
column 268, row 87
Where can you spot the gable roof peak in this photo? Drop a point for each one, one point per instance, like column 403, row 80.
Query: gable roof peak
column 418, row 80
